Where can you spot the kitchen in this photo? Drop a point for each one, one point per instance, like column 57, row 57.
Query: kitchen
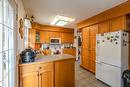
column 64, row 43
column 52, row 39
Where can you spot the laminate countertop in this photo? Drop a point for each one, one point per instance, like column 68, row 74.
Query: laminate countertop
column 50, row 58
column 42, row 58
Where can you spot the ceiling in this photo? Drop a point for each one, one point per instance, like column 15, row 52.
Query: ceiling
column 44, row 11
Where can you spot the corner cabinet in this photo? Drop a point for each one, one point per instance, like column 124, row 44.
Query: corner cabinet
column 40, row 75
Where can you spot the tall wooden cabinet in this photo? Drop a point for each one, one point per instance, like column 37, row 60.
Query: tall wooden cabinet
column 67, row 38
column 88, row 47
column 92, row 51
column 85, row 48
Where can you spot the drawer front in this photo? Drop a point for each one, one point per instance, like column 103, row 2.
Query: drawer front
column 36, row 67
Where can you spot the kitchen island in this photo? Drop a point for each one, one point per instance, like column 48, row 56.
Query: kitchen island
column 48, row 71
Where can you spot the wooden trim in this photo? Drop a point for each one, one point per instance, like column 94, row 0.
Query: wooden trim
column 42, row 27
column 119, row 10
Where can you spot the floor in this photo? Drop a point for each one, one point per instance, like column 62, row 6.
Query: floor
column 85, row 78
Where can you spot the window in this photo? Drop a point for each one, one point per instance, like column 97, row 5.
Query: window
column 7, row 47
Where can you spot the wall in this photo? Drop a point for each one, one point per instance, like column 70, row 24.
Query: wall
column 19, row 42
column 21, row 14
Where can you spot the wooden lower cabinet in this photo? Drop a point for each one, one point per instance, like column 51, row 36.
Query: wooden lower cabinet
column 39, row 75
column 58, row 73
column 46, row 79
column 64, row 73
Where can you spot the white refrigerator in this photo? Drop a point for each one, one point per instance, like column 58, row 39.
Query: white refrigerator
column 112, row 51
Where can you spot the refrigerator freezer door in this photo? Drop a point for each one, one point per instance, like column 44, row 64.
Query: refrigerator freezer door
column 111, row 75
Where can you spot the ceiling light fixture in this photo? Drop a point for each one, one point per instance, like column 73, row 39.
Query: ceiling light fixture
column 61, row 20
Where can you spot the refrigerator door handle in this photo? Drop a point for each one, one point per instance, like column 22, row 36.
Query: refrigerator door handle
column 98, row 61
column 109, row 64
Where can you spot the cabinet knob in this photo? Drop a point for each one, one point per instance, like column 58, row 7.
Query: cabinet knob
column 40, row 67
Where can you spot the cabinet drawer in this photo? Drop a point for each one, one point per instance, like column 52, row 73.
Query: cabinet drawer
column 36, row 67
column 44, row 67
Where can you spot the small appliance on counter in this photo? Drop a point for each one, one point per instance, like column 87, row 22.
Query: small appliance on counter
column 27, row 56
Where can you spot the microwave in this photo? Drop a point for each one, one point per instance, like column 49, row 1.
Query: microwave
column 55, row 40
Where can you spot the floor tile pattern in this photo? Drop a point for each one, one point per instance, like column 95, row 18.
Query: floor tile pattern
column 84, row 78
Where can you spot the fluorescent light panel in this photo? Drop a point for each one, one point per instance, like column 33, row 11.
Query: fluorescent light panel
column 61, row 20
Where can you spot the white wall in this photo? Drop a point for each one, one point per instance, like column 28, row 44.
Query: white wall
column 21, row 14
column 19, row 41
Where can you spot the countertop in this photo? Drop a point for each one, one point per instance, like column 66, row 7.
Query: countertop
column 50, row 58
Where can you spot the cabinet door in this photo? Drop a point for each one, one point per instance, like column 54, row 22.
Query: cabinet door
column 67, row 37
column 85, row 59
column 47, row 36
column 92, row 66
column 29, row 79
column 118, row 23
column 104, row 27
column 46, row 77
column 92, row 43
column 64, row 73
column 92, row 61
column 93, row 30
column 85, row 32
column 86, row 43
column 92, row 56
column 42, row 36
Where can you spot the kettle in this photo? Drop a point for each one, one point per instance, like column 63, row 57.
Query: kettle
column 28, row 55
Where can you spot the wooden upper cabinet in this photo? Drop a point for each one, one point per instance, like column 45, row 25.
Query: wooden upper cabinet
column 93, row 30
column 45, row 37
column 67, row 38
column 42, row 37
column 85, row 32
column 104, row 27
column 118, row 23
